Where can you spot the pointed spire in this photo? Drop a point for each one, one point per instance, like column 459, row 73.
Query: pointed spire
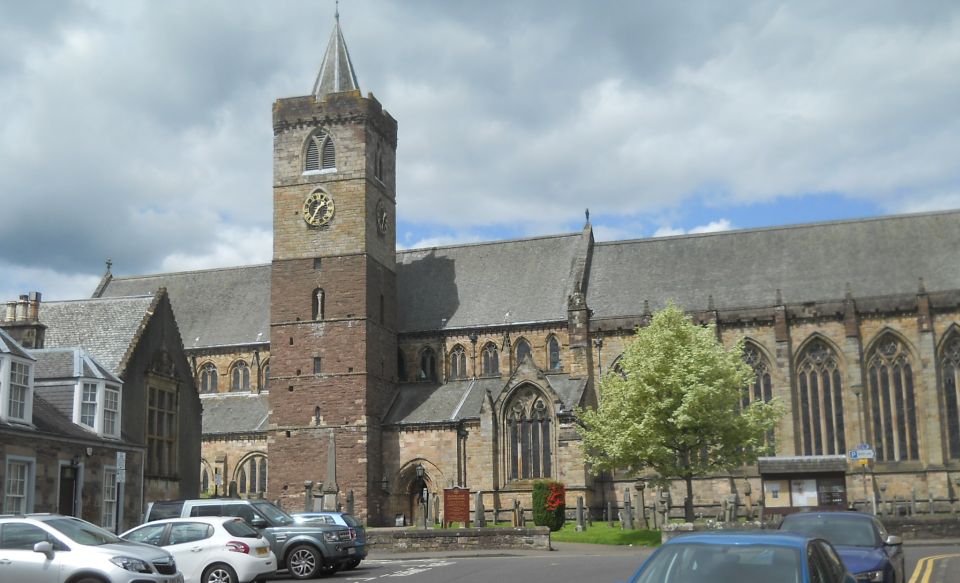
column 336, row 70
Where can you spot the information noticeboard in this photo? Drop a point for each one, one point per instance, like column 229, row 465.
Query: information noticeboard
column 456, row 505
column 803, row 492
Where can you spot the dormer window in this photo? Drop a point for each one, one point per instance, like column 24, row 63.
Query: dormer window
column 16, row 389
column 320, row 154
column 98, row 407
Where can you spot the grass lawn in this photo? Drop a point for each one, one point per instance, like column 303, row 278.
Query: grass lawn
column 601, row 534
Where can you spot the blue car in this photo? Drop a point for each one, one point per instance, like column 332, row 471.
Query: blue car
column 866, row 548
column 744, row 557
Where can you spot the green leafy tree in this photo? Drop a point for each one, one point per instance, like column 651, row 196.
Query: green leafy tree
column 677, row 407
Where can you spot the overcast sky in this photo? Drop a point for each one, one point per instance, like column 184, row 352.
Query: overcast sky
column 141, row 131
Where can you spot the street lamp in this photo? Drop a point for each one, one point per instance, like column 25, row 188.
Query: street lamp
column 861, row 412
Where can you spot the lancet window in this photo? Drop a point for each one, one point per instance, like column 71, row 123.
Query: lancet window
column 528, row 437
column 891, row 401
column 820, row 397
column 490, row 360
column 458, row 362
column 950, row 367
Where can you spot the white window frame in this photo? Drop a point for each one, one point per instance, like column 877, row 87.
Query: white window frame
column 29, row 480
column 6, row 388
column 109, row 389
column 108, row 515
column 98, row 425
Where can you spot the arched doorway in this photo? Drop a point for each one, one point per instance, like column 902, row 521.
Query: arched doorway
column 417, row 482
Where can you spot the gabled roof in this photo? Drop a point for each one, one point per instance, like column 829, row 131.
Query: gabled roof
column 807, row 263
column 68, row 363
column 336, row 71
column 234, row 413
column 10, row 346
column 105, row 328
column 214, row 307
column 504, row 282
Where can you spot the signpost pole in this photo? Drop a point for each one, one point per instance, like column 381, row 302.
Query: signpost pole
column 121, row 469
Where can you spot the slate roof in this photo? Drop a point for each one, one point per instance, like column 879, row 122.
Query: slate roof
column 743, row 269
column 10, row 346
column 336, row 71
column 105, row 328
column 213, row 307
column 68, row 363
column 234, row 413
column 462, row 399
column 479, row 284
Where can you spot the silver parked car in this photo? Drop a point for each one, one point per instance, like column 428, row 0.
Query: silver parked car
column 50, row 548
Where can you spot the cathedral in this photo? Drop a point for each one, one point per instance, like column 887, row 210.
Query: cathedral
column 348, row 373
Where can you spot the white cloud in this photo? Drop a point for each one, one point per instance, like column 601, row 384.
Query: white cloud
column 711, row 227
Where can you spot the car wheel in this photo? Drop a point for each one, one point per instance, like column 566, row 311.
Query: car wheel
column 304, row 562
column 219, row 573
column 352, row 564
column 90, row 580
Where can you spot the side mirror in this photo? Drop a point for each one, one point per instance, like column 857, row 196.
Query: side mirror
column 44, row 547
column 258, row 522
column 893, row 540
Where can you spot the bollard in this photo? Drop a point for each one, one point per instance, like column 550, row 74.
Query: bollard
column 627, row 510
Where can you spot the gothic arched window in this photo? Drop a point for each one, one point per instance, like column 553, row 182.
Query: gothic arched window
column 490, row 360
column 820, row 398
column 458, row 363
column 428, row 365
column 617, row 366
column 528, row 437
column 240, row 377
column 317, row 301
column 204, row 480
column 950, row 367
column 523, row 351
column 251, row 475
column 553, row 354
column 265, row 376
column 208, row 378
column 320, row 154
column 762, row 389
column 891, row 401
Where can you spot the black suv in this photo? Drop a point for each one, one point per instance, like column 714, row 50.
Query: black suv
column 304, row 550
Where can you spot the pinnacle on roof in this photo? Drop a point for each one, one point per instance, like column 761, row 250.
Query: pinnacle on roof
column 336, row 70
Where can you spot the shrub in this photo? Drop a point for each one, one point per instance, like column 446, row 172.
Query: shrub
column 549, row 504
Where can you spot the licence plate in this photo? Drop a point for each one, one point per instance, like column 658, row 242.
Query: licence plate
column 351, row 551
column 262, row 551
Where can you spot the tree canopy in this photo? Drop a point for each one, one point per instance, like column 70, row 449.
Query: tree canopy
column 677, row 406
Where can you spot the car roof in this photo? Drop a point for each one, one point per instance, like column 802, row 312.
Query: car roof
column 745, row 538
column 207, row 519
column 843, row 515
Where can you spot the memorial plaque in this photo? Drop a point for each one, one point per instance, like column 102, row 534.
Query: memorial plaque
column 456, row 505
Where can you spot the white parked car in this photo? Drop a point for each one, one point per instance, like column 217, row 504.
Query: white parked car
column 210, row 549
column 50, row 548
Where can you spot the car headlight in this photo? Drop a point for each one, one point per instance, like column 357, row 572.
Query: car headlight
column 870, row 576
column 131, row 564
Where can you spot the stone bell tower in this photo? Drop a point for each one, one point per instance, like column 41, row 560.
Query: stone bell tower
column 333, row 336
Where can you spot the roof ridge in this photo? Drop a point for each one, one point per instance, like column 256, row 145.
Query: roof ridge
column 497, row 242
column 103, row 299
column 792, row 227
column 189, row 271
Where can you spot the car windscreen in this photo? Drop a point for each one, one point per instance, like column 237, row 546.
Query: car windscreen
column 720, row 563
column 83, row 532
column 839, row 530
column 240, row 528
column 273, row 514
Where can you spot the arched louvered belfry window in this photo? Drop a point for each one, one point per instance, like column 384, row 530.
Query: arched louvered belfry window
column 208, row 378
column 528, row 436
column 553, row 354
column 950, row 369
column 891, row 401
column 428, row 365
column 820, row 398
column 240, row 377
column 458, row 362
column 320, row 153
column 265, row 374
column 762, row 388
column 490, row 360
column 523, row 351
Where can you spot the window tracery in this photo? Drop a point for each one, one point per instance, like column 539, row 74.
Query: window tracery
column 458, row 362
column 523, row 351
column 820, row 398
column 490, row 360
column 240, row 377
column 891, row 401
column 950, row 367
column 428, row 365
column 208, row 378
column 762, row 389
column 528, row 436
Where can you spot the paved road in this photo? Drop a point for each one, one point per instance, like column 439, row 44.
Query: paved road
column 577, row 563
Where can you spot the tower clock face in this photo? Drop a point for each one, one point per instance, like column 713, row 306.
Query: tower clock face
column 381, row 216
column 318, row 209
